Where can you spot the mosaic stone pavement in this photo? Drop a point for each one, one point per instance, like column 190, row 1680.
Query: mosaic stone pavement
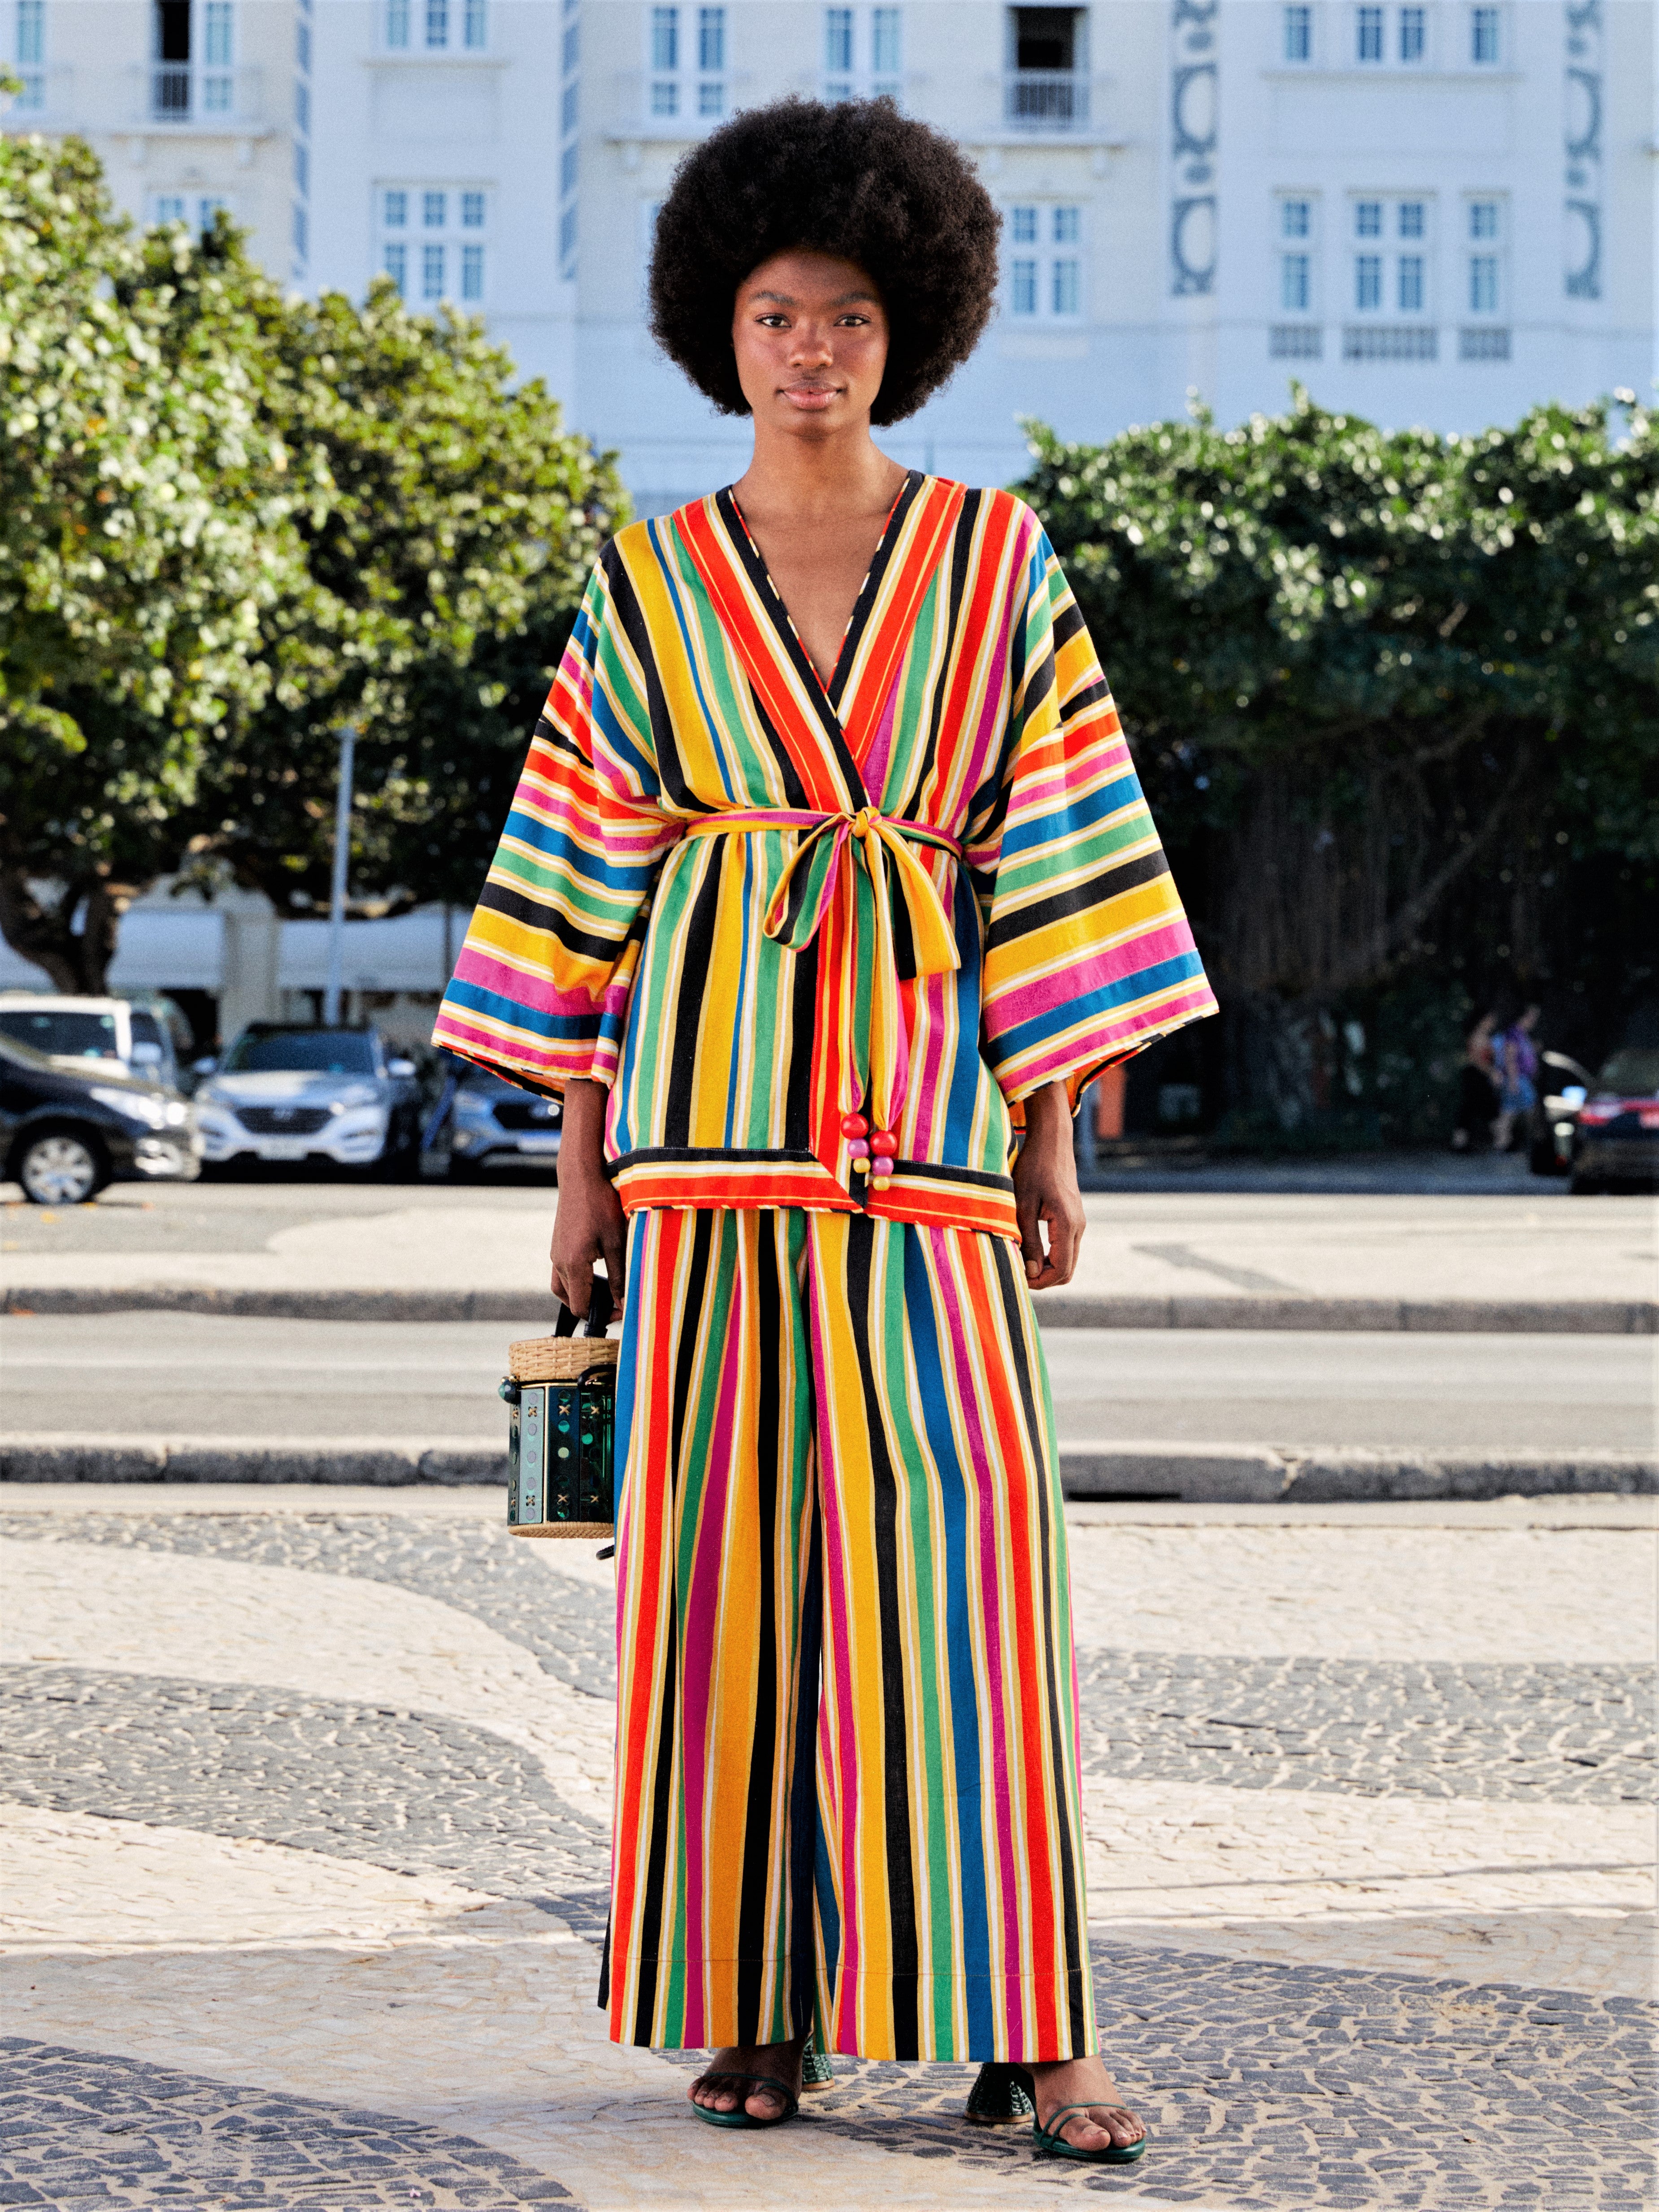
column 406, row 2018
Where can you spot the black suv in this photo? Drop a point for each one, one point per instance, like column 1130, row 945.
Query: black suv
column 65, row 1131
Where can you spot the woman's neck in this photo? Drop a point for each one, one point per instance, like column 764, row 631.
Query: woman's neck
column 804, row 478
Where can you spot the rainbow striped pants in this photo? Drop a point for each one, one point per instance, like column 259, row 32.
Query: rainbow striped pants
column 847, row 1773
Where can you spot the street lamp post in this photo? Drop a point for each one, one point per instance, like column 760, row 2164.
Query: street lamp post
column 338, row 895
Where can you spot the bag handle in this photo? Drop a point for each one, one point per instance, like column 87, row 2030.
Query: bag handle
column 600, row 1306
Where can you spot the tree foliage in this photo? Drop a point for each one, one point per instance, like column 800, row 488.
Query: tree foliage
column 145, row 533
column 1369, row 676
column 426, row 528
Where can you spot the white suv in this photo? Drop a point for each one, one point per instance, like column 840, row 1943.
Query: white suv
column 284, row 1092
column 72, row 1030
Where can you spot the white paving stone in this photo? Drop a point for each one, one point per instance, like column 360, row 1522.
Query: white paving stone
column 1287, row 1591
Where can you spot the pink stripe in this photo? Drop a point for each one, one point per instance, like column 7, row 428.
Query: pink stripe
column 837, row 1614
column 984, row 1460
column 536, row 992
column 526, row 1051
column 697, row 1664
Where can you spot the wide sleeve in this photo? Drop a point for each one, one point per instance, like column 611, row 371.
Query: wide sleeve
column 1088, row 953
column 541, row 989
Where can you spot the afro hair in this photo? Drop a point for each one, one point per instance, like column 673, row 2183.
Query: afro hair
column 858, row 180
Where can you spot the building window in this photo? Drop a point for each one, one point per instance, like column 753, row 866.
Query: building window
column 1485, row 275
column 1298, row 34
column 30, row 49
column 1048, row 76
column 302, row 168
column 1483, row 37
column 302, row 47
column 197, row 210
column 567, row 238
column 449, row 262
column 301, row 233
column 302, row 106
column 194, row 57
column 1296, row 261
column 861, row 52
column 446, row 26
column 1413, row 34
column 1391, row 271
column 474, row 25
column 1045, row 274
column 688, row 63
column 397, row 23
column 1296, row 284
column 1368, row 34
column 437, row 23
column 567, row 171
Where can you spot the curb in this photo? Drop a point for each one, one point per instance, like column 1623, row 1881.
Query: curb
column 1054, row 1309
column 1138, row 1473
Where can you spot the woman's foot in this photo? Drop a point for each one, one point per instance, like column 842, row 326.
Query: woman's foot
column 778, row 2062
column 1107, row 2125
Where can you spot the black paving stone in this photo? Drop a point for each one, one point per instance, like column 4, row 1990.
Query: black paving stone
column 205, row 2144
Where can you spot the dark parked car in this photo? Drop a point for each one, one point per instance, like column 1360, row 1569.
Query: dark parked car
column 1616, row 1136
column 67, row 1131
column 496, row 1125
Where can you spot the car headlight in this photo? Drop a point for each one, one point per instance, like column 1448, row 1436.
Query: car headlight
column 361, row 1094
column 132, row 1106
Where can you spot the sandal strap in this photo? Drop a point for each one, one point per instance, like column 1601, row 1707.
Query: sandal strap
column 1051, row 2126
column 751, row 2082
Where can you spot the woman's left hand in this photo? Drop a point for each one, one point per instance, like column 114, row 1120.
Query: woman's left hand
column 1046, row 1192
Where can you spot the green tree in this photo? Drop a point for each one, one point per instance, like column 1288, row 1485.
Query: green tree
column 1366, row 675
column 452, row 528
column 145, row 534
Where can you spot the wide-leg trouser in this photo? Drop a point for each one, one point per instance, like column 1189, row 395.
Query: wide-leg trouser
column 847, row 1733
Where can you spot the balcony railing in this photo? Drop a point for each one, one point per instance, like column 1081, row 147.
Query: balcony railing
column 192, row 92
column 1045, row 100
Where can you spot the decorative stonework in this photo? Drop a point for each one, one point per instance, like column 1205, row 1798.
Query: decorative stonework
column 1585, row 139
column 1195, row 94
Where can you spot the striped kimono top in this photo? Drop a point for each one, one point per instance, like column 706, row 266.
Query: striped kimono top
column 792, row 925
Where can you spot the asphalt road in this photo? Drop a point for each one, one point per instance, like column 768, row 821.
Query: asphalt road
column 163, row 1375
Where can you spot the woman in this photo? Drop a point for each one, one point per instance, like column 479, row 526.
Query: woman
column 1515, row 1066
column 1477, row 1089
column 828, row 889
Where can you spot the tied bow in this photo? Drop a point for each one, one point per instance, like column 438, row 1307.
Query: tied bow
column 822, row 870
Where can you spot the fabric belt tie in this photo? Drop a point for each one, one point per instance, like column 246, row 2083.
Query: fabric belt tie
column 876, row 842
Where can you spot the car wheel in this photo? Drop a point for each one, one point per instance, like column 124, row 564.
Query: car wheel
column 1584, row 1186
column 61, row 1167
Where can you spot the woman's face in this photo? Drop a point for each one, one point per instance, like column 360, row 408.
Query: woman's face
column 810, row 334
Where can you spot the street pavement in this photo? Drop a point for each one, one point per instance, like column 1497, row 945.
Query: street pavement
column 1288, row 1257
column 307, row 1800
column 432, row 1385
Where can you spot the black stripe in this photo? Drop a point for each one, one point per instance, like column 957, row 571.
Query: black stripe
column 976, row 1178
column 669, row 776
column 1044, row 1634
column 795, row 791
column 803, row 1025
column 1077, row 898
column 662, row 1793
column 763, row 1745
column 809, row 1650
column 1091, row 695
column 895, row 1794
column 687, row 1005
column 789, row 1158
column 961, row 563
column 498, row 899
column 1067, row 624
column 879, row 564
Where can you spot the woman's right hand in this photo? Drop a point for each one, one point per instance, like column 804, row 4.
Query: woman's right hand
column 589, row 1225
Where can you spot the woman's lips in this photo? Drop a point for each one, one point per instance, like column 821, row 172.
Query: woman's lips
column 811, row 397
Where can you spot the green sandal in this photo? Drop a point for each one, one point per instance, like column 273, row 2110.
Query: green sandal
column 816, row 2071
column 998, row 2097
column 1054, row 2145
column 744, row 2085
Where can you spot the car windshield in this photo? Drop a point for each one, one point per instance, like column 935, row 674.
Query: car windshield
column 1632, row 1074
column 491, row 1087
column 64, row 1033
column 310, row 1051
column 23, row 1055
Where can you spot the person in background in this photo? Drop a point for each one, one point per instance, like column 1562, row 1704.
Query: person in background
column 1515, row 1071
column 1477, row 1091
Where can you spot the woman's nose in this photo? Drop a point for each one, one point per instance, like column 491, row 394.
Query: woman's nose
column 811, row 342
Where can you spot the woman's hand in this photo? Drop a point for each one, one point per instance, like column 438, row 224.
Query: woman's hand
column 589, row 1224
column 1045, row 1190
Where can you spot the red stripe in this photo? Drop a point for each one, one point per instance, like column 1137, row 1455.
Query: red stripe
column 937, row 518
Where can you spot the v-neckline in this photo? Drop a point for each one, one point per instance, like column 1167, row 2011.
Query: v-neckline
column 829, row 694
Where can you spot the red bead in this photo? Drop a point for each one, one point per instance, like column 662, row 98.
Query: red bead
column 858, row 1148
column 884, row 1142
column 853, row 1125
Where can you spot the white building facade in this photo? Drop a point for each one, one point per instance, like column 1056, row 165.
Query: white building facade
column 1434, row 212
